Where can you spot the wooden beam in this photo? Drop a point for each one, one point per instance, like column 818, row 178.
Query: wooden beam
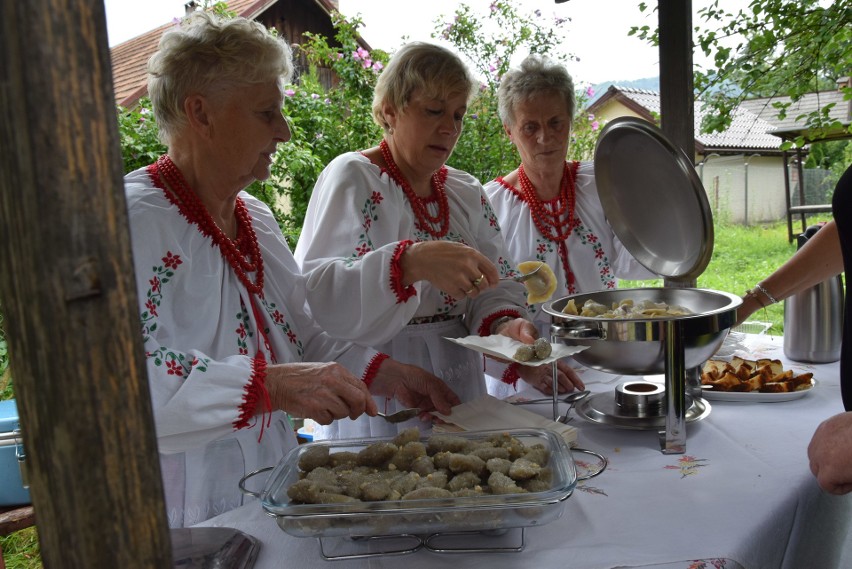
column 677, row 114
column 68, row 294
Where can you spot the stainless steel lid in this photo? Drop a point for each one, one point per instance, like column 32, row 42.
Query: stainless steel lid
column 654, row 199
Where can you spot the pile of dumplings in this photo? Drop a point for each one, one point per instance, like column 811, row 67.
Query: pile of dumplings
column 406, row 468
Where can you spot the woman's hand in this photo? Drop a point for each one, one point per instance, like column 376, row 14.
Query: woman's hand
column 541, row 377
column 319, row 391
column 458, row 270
column 413, row 387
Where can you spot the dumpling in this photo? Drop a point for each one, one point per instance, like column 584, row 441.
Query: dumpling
column 542, row 285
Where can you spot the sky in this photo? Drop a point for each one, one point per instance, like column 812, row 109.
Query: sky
column 596, row 34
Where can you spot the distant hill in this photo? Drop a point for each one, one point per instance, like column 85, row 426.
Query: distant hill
column 648, row 84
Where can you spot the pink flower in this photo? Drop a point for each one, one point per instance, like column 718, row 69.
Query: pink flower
column 595, row 125
column 590, row 92
column 289, row 92
column 377, row 66
column 360, row 54
column 314, row 96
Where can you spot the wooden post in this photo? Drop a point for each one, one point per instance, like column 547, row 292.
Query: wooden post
column 68, row 294
column 677, row 114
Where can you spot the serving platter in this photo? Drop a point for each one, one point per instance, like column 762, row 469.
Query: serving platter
column 504, row 347
column 756, row 396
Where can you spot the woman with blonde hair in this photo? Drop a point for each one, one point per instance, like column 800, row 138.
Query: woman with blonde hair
column 402, row 251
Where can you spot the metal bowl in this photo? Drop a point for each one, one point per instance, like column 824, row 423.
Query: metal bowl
column 634, row 346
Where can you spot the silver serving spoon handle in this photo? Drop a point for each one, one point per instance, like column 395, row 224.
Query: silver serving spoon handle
column 401, row 415
column 578, row 396
column 524, row 277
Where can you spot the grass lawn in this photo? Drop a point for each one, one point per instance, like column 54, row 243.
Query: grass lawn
column 742, row 256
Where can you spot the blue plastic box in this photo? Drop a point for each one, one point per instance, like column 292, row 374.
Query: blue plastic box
column 12, row 491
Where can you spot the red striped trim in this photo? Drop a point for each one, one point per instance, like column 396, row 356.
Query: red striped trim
column 373, row 368
column 485, row 327
column 402, row 292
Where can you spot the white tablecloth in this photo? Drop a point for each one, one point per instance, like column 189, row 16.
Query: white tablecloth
column 741, row 496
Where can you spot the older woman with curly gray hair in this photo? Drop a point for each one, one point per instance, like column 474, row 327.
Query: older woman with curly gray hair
column 548, row 208
column 404, row 251
column 230, row 344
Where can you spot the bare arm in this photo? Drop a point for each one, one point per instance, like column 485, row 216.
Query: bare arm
column 818, row 259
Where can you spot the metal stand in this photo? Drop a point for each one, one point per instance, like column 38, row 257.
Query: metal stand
column 682, row 386
column 430, row 543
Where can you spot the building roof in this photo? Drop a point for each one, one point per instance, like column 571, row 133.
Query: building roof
column 791, row 125
column 748, row 132
column 130, row 58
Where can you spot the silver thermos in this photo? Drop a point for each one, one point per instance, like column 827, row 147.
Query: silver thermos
column 813, row 319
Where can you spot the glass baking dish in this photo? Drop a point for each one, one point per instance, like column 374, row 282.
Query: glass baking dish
column 422, row 516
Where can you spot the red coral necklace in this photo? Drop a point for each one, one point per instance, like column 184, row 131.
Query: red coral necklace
column 242, row 253
column 425, row 220
column 552, row 221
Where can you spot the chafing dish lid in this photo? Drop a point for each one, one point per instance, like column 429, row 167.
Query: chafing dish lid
column 653, row 199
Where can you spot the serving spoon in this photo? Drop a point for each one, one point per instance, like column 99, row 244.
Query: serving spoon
column 570, row 398
column 525, row 277
column 401, row 415
column 577, row 396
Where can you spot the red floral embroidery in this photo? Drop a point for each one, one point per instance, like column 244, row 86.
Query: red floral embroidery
column 174, row 368
column 152, row 307
column 172, row 261
column 155, row 284
column 402, row 292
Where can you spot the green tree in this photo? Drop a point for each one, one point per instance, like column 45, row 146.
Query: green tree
column 771, row 48
column 491, row 43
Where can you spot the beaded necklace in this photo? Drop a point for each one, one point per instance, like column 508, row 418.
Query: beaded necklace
column 552, row 221
column 242, row 253
column 425, row 220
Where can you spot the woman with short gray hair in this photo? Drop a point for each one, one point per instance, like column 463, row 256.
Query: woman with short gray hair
column 230, row 347
column 548, row 208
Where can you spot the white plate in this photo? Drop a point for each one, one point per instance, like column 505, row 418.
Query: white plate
column 755, row 396
column 504, row 347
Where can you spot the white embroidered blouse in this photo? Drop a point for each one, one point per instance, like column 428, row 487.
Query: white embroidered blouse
column 205, row 358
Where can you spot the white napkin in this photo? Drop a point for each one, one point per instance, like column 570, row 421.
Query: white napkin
column 504, row 347
column 490, row 414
